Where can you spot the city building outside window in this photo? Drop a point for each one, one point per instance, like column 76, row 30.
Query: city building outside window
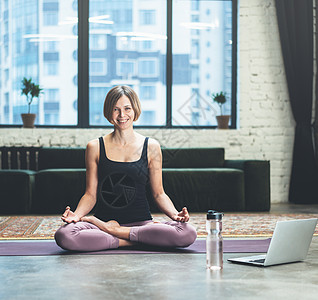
column 175, row 54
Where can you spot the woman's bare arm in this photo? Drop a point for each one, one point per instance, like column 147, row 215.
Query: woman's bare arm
column 88, row 200
column 155, row 175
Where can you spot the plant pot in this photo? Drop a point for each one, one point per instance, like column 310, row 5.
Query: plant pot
column 28, row 120
column 223, row 121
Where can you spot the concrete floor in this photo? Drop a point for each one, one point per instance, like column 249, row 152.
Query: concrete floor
column 156, row 276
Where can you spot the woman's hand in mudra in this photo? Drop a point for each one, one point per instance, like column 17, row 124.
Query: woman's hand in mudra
column 182, row 216
column 69, row 216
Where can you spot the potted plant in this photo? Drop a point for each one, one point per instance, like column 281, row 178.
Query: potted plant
column 30, row 90
column 222, row 120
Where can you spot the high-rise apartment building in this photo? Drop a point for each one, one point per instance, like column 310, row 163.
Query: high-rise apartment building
column 127, row 45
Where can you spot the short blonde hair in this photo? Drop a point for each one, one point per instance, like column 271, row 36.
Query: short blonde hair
column 112, row 97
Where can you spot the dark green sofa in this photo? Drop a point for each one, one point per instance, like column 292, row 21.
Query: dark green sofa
column 199, row 178
column 17, row 179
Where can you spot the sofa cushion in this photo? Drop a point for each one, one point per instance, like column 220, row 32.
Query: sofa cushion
column 256, row 181
column 61, row 158
column 203, row 189
column 193, row 158
column 16, row 190
column 57, row 188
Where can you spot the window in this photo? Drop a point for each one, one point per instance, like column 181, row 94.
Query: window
column 41, row 47
column 147, row 117
column 51, row 118
column 51, row 106
column 97, row 96
column 125, row 43
column 174, row 53
column 51, row 69
column 98, row 41
column 98, row 66
column 51, row 95
column 148, row 67
column 50, row 18
column 195, row 77
column 50, row 12
column 195, row 5
column 50, row 46
column 126, row 68
column 136, row 55
column 195, row 48
column 147, row 17
column 202, row 49
column 147, row 46
column 147, row 92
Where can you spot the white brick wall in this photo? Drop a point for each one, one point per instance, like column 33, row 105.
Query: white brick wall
column 266, row 126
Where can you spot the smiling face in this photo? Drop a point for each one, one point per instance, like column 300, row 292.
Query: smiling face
column 120, row 103
column 123, row 114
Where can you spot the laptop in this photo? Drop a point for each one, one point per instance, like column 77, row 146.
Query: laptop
column 290, row 243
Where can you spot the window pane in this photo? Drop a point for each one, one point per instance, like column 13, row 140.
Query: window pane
column 202, row 60
column 147, row 17
column 40, row 45
column 147, row 92
column 130, row 37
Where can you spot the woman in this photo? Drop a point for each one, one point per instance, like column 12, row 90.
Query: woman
column 118, row 167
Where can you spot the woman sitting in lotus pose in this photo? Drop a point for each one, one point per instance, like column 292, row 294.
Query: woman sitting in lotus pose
column 118, row 167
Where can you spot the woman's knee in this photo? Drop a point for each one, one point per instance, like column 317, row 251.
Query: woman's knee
column 189, row 235
column 186, row 234
column 64, row 237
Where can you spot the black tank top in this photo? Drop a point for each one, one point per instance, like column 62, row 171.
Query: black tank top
column 121, row 193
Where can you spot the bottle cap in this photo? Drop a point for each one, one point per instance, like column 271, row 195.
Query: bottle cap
column 214, row 215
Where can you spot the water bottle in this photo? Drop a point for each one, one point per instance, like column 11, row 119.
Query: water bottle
column 214, row 241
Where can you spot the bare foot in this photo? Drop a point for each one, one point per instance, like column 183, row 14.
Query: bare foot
column 125, row 243
column 111, row 227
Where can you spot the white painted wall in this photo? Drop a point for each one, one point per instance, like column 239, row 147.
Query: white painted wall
column 266, row 126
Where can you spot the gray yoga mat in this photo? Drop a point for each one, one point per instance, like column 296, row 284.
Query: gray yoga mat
column 43, row 248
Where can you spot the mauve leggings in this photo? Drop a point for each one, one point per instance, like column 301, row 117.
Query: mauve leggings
column 84, row 236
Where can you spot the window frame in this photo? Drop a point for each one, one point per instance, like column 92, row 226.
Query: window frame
column 83, row 74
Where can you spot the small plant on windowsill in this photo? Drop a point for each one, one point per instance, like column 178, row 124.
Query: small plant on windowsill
column 30, row 90
column 222, row 120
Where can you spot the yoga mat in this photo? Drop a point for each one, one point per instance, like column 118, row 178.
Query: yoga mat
column 44, row 248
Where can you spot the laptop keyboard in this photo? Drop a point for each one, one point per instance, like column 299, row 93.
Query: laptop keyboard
column 259, row 260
